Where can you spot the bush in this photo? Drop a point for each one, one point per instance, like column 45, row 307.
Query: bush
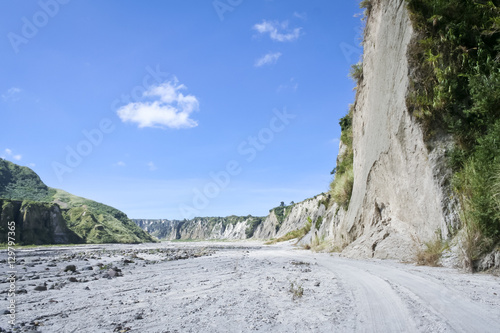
column 318, row 223
column 356, row 72
column 296, row 289
column 342, row 185
column 252, row 225
column 432, row 253
column 341, row 188
column 455, row 87
column 366, row 4
column 477, row 183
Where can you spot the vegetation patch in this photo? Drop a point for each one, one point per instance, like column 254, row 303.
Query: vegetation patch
column 296, row 290
column 319, row 222
column 343, row 182
column 456, row 88
column 282, row 212
column 252, row 225
column 432, row 253
column 21, row 183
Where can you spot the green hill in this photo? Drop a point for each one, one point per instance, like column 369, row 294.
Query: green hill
column 60, row 216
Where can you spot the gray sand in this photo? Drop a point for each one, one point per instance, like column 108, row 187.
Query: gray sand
column 241, row 287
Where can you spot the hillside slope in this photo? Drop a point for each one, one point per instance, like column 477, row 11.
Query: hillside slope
column 45, row 215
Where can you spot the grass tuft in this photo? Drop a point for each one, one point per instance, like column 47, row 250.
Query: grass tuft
column 431, row 255
column 296, row 289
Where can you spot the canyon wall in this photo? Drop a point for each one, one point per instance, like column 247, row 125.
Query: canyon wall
column 401, row 196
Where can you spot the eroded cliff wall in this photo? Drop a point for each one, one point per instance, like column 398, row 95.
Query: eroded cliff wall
column 231, row 227
column 401, row 196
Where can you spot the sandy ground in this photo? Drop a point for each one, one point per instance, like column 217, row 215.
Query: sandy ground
column 240, row 287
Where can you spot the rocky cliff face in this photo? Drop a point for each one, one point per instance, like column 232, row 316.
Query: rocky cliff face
column 401, row 197
column 231, row 227
column 35, row 223
column 295, row 217
column 279, row 222
column 45, row 215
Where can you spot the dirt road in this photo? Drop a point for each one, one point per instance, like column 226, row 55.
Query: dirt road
column 244, row 287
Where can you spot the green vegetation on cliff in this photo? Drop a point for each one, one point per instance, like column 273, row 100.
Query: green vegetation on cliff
column 456, row 87
column 281, row 212
column 343, row 181
column 18, row 182
column 44, row 210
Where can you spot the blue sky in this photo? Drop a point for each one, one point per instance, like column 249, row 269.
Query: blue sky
column 178, row 108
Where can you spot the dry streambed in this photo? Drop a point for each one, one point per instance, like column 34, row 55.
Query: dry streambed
column 242, row 287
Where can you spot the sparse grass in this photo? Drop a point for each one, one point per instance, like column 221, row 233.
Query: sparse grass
column 299, row 233
column 319, row 244
column 335, row 249
column 431, row 255
column 296, row 289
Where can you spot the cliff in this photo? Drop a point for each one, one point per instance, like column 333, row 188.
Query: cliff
column 45, row 215
column 401, row 195
column 281, row 221
column 231, row 227
column 36, row 223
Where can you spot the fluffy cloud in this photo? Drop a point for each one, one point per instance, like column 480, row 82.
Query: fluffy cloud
column 278, row 31
column 169, row 108
column 268, row 59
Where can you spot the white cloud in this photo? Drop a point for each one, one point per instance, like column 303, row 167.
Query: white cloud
column 170, row 109
column 268, row 59
column 11, row 93
column 9, row 153
column 301, row 16
column 31, row 165
column 278, row 31
column 120, row 164
column 152, row 166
